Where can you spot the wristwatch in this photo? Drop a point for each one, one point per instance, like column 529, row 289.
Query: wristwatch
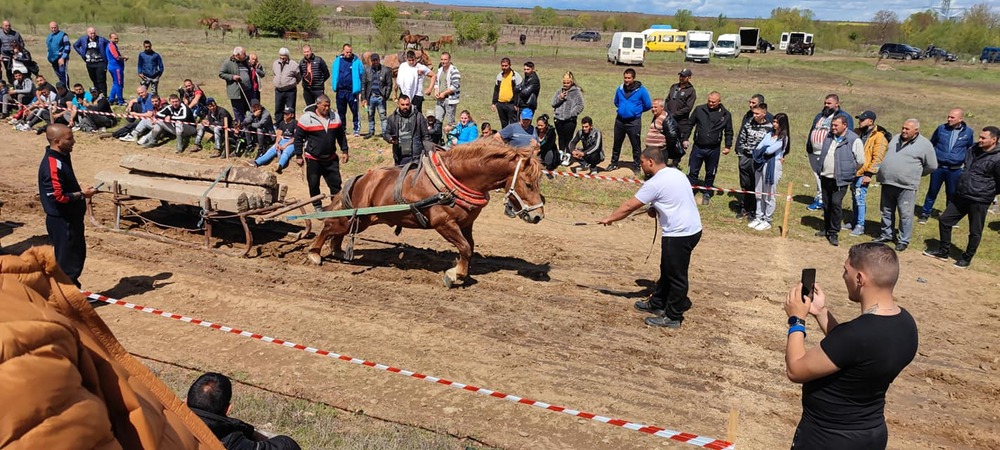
column 793, row 321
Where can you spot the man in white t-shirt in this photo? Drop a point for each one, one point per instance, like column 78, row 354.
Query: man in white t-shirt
column 668, row 192
column 410, row 80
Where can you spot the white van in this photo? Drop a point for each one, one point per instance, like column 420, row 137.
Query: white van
column 728, row 46
column 700, row 45
column 627, row 48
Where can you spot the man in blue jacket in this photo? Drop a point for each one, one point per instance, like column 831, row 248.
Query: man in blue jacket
column 150, row 67
column 92, row 49
column 346, row 72
column 632, row 99
column 57, row 45
column 116, row 67
column 952, row 141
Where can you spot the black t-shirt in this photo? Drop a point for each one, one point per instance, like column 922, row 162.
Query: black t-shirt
column 870, row 351
column 287, row 128
column 65, row 100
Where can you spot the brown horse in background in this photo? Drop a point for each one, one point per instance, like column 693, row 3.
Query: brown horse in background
column 252, row 31
column 474, row 168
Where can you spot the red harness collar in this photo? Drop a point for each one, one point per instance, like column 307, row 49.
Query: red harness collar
column 464, row 196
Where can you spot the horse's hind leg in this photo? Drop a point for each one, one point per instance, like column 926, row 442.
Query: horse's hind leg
column 452, row 233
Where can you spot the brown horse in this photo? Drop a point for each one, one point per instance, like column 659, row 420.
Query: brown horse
column 252, row 31
column 413, row 40
column 211, row 23
column 467, row 172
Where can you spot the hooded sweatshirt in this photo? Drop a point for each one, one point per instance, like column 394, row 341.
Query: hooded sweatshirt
column 632, row 101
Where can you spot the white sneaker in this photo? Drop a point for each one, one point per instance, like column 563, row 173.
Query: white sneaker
column 753, row 223
column 23, row 127
column 127, row 138
column 763, row 225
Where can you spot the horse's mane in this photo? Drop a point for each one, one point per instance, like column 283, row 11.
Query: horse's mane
column 483, row 150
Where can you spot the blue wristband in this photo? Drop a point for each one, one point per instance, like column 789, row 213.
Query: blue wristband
column 796, row 328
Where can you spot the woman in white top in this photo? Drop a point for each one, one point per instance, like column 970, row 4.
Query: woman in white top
column 768, row 158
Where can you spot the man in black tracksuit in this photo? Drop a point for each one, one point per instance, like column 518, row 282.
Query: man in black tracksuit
column 64, row 201
column 977, row 186
column 680, row 102
column 319, row 133
column 711, row 121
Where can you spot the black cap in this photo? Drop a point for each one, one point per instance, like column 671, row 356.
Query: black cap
column 60, row 85
column 374, row 56
column 254, row 102
column 289, row 110
column 866, row 115
column 93, row 89
column 685, row 72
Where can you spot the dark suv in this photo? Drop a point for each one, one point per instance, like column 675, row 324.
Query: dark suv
column 586, row 36
column 900, row 51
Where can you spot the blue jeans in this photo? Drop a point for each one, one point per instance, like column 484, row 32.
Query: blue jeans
column 860, row 195
column 941, row 175
column 61, row 71
column 376, row 104
column 268, row 156
column 347, row 99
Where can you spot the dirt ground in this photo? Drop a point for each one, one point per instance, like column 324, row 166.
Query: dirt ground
column 548, row 317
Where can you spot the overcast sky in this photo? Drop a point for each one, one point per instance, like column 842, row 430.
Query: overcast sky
column 852, row 10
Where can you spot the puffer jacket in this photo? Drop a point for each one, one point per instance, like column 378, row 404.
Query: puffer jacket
column 875, row 145
column 980, row 182
column 67, row 382
column 952, row 156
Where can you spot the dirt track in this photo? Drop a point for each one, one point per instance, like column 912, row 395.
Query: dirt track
column 549, row 318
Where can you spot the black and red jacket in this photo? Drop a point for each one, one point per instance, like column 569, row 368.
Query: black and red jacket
column 320, row 137
column 57, row 186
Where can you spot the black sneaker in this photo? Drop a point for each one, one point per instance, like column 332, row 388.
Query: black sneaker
column 663, row 321
column 963, row 263
column 900, row 247
column 923, row 219
column 940, row 253
column 833, row 240
column 882, row 240
column 613, row 166
column 645, row 306
column 821, row 233
column 706, row 199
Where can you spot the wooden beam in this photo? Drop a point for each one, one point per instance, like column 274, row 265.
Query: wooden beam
column 238, row 174
column 235, row 198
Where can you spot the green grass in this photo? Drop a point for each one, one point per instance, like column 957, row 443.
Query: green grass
column 794, row 85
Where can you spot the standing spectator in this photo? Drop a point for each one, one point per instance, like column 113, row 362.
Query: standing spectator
column 210, row 398
column 236, row 72
column 667, row 192
column 768, row 161
column 464, row 131
column 319, row 133
column 530, row 88
column 284, row 146
column 150, row 67
column 547, row 149
column 314, row 72
column 977, row 187
column 192, row 96
column 64, row 201
column 663, row 134
column 116, row 67
column 256, row 73
column 285, row 76
column 876, row 140
column 376, row 90
column 519, row 134
column 410, row 80
column 753, row 127
column 712, row 123
column 9, row 37
column 258, row 126
column 506, row 93
column 447, row 90
column 215, row 123
column 57, row 48
column 567, row 105
column 844, row 378
column 631, row 100
column 817, row 136
column 909, row 157
column 406, row 130
column 836, row 164
column 681, row 99
column 952, row 141
column 93, row 48
column 347, row 69
column 591, row 150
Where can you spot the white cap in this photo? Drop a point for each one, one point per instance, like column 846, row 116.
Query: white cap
column 283, row 51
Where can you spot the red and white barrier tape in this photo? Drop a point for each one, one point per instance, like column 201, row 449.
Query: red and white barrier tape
column 638, row 181
column 700, row 441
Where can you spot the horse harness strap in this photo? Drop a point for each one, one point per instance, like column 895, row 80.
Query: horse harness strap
column 444, row 181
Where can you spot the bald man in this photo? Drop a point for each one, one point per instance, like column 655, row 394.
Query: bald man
column 93, row 49
column 952, row 141
column 63, row 201
column 57, row 48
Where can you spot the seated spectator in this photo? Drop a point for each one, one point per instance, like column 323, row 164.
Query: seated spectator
column 215, row 123
column 141, row 111
column 18, row 94
column 81, row 98
column 547, row 150
column 486, row 130
column 285, row 147
column 210, row 397
column 61, row 111
column 40, row 81
column 434, row 130
column 464, row 131
column 258, row 127
column 193, row 97
column 590, row 153
column 38, row 110
column 175, row 119
column 96, row 122
column 520, row 134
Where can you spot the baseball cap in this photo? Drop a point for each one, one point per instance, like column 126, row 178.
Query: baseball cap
column 289, row 110
column 866, row 115
column 93, row 89
column 254, row 102
column 685, row 72
column 374, row 57
column 207, row 100
column 60, row 85
column 527, row 114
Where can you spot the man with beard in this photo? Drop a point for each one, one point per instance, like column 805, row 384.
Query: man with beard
column 150, row 67
column 192, row 96
column 406, row 130
column 817, row 135
column 876, row 140
column 835, row 165
column 319, row 133
column 681, row 99
column 530, row 88
column 375, row 92
column 755, row 125
column 505, row 94
column 631, row 100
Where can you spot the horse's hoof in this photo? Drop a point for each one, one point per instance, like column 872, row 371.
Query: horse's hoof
column 340, row 256
column 315, row 258
column 447, row 281
column 450, row 277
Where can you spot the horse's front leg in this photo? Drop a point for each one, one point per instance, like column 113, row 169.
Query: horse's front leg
column 452, row 233
column 331, row 227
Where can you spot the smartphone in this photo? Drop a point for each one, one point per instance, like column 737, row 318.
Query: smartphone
column 808, row 280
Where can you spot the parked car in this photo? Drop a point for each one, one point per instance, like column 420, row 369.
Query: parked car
column 899, row 51
column 586, row 36
column 940, row 53
column 627, row 48
column 990, row 55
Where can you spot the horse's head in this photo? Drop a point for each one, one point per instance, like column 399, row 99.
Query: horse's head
column 523, row 197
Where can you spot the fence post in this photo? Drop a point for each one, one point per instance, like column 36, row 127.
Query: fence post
column 225, row 134
column 788, row 207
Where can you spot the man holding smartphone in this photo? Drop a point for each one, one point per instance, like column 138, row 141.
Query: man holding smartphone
column 845, row 378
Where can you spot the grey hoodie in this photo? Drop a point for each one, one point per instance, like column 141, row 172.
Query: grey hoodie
column 569, row 108
column 906, row 163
